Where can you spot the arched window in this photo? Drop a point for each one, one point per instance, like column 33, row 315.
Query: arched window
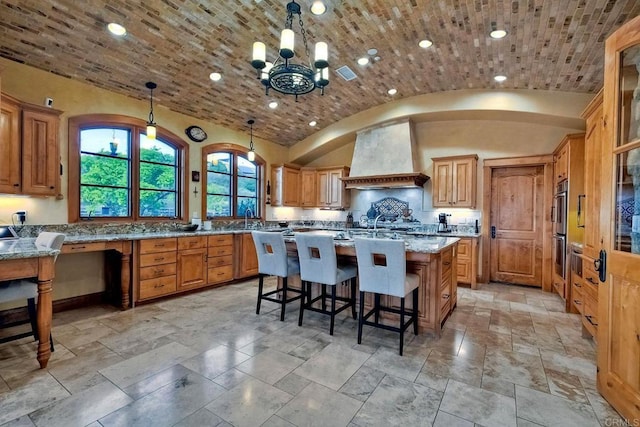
column 117, row 173
column 232, row 186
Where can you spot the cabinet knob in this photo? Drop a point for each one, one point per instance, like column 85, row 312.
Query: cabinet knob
column 52, row 187
column 16, row 185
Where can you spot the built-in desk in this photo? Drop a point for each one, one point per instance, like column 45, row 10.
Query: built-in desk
column 116, row 271
column 21, row 259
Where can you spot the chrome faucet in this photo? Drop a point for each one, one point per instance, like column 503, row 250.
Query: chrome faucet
column 246, row 217
column 375, row 223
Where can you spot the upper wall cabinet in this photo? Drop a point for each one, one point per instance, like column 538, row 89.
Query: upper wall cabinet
column 29, row 149
column 286, row 185
column 331, row 189
column 308, row 188
column 593, row 160
column 455, row 181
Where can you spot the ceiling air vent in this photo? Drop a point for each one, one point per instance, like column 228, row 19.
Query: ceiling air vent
column 346, row 73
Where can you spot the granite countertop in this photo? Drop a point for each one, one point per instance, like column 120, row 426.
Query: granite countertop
column 424, row 244
column 23, row 248
column 416, row 242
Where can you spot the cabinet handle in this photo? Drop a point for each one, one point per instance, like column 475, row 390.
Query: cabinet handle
column 52, row 187
column 16, row 185
column 159, row 245
column 446, row 263
column 446, row 296
column 158, row 286
column 158, row 259
column 576, row 302
column 590, row 280
column 75, row 248
column 577, row 285
column 589, row 319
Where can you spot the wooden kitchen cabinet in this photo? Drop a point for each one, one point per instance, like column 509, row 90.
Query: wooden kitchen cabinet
column 455, row 181
column 219, row 259
column 286, row 185
column 561, row 163
column 30, row 149
column 590, row 208
column 308, row 188
column 191, row 262
column 157, row 268
column 467, row 269
column 246, row 258
column 331, row 189
column 10, row 140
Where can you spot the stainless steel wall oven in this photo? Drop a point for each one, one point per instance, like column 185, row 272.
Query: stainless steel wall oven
column 559, row 218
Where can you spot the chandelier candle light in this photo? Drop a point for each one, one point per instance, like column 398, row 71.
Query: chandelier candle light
column 251, row 155
column 285, row 76
column 151, row 125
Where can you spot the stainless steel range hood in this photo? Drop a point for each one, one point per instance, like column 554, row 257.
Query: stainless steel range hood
column 385, row 157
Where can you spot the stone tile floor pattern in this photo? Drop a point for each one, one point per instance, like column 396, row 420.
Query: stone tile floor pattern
column 508, row 356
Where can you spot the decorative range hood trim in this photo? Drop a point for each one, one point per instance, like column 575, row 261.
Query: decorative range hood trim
column 403, row 180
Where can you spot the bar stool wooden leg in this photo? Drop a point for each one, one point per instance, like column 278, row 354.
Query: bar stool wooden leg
column 260, row 285
column 353, row 297
column 333, row 308
column 303, row 285
column 415, row 311
column 377, row 308
column 401, row 324
column 284, row 298
column 361, row 318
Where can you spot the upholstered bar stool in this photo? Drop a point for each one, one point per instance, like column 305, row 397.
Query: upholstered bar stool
column 17, row 290
column 319, row 264
column 382, row 270
column 273, row 261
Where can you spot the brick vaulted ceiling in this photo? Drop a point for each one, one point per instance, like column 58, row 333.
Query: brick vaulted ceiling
column 555, row 45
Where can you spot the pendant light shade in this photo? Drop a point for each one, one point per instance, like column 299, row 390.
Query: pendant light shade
column 151, row 125
column 251, row 155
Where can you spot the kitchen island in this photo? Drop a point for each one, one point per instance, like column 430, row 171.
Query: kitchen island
column 432, row 258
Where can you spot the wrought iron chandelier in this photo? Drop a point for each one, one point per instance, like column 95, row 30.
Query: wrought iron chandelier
column 287, row 77
column 151, row 125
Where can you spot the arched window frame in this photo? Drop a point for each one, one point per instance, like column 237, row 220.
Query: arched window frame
column 136, row 127
column 235, row 150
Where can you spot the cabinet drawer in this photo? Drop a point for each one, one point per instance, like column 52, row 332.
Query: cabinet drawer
column 192, row 242
column 589, row 273
column 577, row 296
column 590, row 315
column 220, row 274
column 158, row 245
column 464, row 249
column 218, row 261
column 157, row 259
column 156, row 287
column 220, row 250
column 445, row 294
column 157, row 271
column 589, row 290
column 446, row 264
column 220, row 240
column 83, row 247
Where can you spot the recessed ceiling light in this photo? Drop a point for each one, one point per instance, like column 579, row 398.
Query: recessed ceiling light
column 500, row 78
column 425, row 43
column 392, row 91
column 215, row 76
column 318, row 7
column 116, row 29
column 498, row 34
column 363, row 61
column 372, row 52
column 273, row 104
column 312, row 123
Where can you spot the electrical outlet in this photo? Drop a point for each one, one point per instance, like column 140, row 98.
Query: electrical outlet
column 22, row 216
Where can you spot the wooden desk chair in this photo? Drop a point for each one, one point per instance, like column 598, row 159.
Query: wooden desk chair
column 382, row 270
column 274, row 261
column 319, row 264
column 16, row 290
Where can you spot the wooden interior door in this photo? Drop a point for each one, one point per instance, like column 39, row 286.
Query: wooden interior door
column 619, row 293
column 517, row 200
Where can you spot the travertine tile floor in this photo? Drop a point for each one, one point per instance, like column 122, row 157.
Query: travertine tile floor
column 509, row 356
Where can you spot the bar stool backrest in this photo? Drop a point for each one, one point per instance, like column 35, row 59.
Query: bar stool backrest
column 318, row 260
column 272, row 253
column 384, row 279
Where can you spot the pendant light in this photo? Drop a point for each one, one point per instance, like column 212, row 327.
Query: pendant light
column 251, row 155
column 151, row 125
